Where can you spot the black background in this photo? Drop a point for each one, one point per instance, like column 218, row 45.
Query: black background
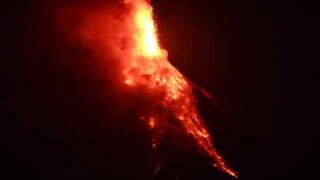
column 254, row 56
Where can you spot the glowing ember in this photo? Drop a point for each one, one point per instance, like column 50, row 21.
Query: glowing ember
column 150, row 69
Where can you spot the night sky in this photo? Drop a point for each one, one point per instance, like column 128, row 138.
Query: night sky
column 58, row 115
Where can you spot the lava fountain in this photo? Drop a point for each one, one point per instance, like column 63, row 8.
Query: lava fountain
column 148, row 68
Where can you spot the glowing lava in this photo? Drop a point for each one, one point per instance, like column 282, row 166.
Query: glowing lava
column 147, row 44
column 150, row 70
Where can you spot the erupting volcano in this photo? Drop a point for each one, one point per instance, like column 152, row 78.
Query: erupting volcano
column 148, row 69
column 124, row 37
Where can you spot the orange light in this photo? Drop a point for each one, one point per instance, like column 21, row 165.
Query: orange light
column 152, row 123
column 146, row 37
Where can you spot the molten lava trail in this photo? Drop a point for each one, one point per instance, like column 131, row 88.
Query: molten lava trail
column 149, row 69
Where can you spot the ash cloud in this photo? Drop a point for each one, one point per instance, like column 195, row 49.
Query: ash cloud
column 65, row 91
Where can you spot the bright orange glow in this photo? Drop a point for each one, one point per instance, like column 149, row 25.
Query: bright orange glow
column 147, row 43
column 151, row 123
column 150, row 70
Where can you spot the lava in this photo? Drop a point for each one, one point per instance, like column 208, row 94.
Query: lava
column 148, row 68
column 124, row 37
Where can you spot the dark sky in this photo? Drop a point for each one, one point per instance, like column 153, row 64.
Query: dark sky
column 58, row 121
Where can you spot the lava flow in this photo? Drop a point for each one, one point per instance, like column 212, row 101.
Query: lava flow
column 148, row 68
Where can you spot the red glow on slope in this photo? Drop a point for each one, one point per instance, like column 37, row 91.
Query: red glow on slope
column 149, row 68
column 126, row 39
